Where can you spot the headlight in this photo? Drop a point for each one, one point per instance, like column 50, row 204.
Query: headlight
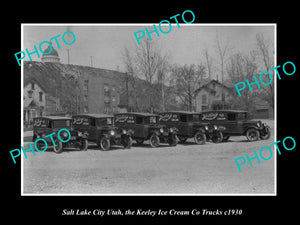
column 206, row 127
column 171, row 130
column 258, row 124
column 112, row 132
column 65, row 134
column 215, row 127
column 79, row 133
column 124, row 131
column 161, row 130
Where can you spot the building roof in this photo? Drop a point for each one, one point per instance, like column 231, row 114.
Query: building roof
column 33, row 79
column 52, row 53
column 95, row 115
column 225, row 110
column 206, row 84
column 55, row 117
column 137, row 114
column 181, row 112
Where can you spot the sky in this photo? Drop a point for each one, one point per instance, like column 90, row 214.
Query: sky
column 105, row 42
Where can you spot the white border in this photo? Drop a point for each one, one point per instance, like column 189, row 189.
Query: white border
column 151, row 24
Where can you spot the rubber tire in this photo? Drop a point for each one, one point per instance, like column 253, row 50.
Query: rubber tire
column 218, row 138
column 249, row 133
column 154, row 141
column 200, row 138
column 104, row 144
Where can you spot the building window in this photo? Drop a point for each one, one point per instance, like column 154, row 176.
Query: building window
column 223, row 97
column 106, row 89
column 85, row 109
column 30, row 93
column 204, row 99
column 32, row 86
column 41, row 96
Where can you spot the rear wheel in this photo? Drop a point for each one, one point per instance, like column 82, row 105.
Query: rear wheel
column 154, row 141
column 218, row 137
column 104, row 144
column 200, row 138
column 252, row 134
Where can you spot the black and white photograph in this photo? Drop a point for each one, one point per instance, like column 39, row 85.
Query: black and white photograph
column 148, row 112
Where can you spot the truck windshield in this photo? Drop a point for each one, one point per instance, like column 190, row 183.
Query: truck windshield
column 61, row 123
column 105, row 121
column 242, row 116
column 150, row 119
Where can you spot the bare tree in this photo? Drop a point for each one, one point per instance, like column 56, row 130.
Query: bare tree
column 222, row 52
column 208, row 62
column 185, row 80
column 130, row 80
column 266, row 53
column 240, row 68
column 150, row 62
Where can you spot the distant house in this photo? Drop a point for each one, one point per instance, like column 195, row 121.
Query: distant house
column 211, row 93
column 34, row 100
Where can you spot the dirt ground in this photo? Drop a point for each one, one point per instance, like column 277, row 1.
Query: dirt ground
column 185, row 169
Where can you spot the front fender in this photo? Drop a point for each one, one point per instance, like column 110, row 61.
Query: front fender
column 200, row 130
column 156, row 132
column 104, row 135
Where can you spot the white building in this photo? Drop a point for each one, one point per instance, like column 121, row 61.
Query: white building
column 51, row 57
column 211, row 93
column 34, row 101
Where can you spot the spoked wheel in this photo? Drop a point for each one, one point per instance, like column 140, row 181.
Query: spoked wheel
column 218, row 137
column 200, row 138
column 252, row 134
column 154, row 141
column 104, row 144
